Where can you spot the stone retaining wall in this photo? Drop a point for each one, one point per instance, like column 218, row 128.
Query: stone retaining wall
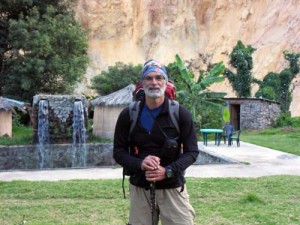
column 56, row 156
column 70, row 156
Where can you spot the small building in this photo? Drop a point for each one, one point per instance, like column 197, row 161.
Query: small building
column 252, row 113
column 6, row 109
column 107, row 109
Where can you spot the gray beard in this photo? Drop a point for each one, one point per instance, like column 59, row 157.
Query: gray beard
column 155, row 94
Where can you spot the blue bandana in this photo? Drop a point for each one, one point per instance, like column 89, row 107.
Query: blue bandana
column 154, row 66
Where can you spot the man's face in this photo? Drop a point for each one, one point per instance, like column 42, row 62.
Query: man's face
column 154, row 85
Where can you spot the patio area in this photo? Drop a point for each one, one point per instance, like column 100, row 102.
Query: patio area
column 248, row 161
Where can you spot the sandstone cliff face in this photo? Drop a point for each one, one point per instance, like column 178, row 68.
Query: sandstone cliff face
column 200, row 31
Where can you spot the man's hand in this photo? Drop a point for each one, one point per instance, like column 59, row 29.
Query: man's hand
column 156, row 175
column 150, row 163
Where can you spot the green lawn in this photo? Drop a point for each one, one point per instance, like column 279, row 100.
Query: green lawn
column 266, row 200
column 227, row 201
column 283, row 139
column 21, row 135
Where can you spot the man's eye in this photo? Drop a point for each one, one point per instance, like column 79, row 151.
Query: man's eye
column 148, row 78
column 158, row 78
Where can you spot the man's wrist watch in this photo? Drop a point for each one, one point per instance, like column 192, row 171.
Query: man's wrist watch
column 169, row 172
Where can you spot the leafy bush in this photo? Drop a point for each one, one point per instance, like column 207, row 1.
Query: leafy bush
column 285, row 120
column 269, row 87
column 22, row 135
column 285, row 95
column 116, row 77
column 211, row 117
column 277, row 86
column 241, row 59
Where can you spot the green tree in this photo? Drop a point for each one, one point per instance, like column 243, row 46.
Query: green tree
column 286, row 77
column 11, row 10
column 269, row 88
column 285, row 95
column 196, row 95
column 116, row 77
column 241, row 59
column 277, row 86
column 44, row 49
column 293, row 60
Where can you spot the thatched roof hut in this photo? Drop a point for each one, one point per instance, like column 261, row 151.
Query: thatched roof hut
column 6, row 109
column 107, row 109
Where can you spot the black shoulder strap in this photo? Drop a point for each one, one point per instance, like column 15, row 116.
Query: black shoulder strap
column 133, row 114
column 174, row 113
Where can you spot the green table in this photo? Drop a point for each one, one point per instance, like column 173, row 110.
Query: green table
column 217, row 132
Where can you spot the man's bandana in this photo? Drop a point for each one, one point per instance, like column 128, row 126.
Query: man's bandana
column 154, row 66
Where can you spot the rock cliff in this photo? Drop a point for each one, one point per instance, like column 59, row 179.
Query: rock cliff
column 200, row 31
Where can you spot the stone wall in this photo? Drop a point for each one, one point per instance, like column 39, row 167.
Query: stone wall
column 89, row 155
column 56, row 156
column 60, row 114
column 259, row 115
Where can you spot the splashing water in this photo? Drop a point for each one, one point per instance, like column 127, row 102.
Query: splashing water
column 79, row 131
column 79, row 135
column 43, row 131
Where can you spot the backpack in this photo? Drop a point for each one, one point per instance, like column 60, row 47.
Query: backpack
column 134, row 113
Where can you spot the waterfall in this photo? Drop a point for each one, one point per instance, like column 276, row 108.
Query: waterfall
column 79, row 136
column 43, row 131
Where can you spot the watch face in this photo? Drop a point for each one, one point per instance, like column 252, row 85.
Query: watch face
column 169, row 173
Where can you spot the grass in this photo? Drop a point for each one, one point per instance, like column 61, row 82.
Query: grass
column 21, row 135
column 227, row 201
column 284, row 139
column 266, row 200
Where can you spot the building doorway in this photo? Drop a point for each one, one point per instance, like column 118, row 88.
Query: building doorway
column 235, row 110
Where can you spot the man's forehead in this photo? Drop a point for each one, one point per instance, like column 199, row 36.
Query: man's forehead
column 154, row 73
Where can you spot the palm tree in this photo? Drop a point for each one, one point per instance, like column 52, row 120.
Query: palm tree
column 196, row 96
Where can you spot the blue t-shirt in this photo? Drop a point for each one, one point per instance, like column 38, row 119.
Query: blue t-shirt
column 148, row 116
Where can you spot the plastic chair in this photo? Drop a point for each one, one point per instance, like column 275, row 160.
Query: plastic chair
column 228, row 130
column 234, row 136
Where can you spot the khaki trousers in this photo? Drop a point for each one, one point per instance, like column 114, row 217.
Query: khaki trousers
column 173, row 207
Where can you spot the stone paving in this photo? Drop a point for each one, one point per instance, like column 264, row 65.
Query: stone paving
column 251, row 161
column 248, row 160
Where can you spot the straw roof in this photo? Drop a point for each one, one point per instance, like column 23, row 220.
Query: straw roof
column 120, row 97
column 9, row 104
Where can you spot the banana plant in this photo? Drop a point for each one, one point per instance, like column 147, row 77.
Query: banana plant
column 196, row 95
